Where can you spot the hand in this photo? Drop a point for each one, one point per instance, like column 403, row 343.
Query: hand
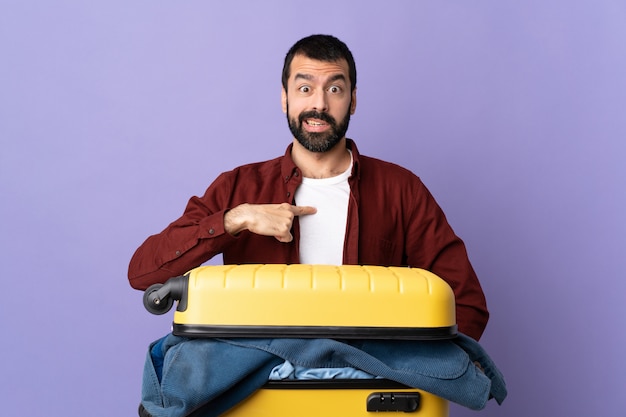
column 265, row 219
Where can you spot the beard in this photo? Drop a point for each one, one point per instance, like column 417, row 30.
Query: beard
column 318, row 141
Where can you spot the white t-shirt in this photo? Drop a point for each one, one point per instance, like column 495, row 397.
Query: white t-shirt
column 322, row 234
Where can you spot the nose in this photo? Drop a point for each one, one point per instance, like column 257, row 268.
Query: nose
column 319, row 101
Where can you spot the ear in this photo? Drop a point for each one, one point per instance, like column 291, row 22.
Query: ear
column 283, row 100
column 353, row 103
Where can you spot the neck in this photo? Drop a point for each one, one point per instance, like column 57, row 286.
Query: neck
column 321, row 164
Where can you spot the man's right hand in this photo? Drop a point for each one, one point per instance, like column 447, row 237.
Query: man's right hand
column 265, row 219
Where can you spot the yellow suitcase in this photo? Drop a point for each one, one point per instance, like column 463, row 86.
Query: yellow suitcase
column 313, row 301
column 334, row 398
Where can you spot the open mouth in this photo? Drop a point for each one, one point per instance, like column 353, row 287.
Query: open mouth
column 315, row 125
column 312, row 122
column 316, row 122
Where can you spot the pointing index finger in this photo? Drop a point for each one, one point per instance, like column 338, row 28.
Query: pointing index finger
column 304, row 210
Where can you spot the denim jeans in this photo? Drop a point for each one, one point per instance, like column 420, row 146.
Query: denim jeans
column 181, row 374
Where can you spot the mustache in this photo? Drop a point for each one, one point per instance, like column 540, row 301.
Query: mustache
column 317, row 115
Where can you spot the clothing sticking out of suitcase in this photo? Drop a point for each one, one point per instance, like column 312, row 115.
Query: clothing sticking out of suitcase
column 315, row 301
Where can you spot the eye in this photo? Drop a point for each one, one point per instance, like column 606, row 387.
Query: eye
column 304, row 89
column 335, row 89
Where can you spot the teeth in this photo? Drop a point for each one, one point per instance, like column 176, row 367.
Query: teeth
column 311, row 123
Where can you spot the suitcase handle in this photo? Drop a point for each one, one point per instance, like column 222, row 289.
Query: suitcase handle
column 408, row 402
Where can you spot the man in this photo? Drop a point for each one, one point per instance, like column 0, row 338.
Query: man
column 322, row 202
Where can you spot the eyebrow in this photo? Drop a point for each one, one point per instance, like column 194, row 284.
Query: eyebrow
column 309, row 77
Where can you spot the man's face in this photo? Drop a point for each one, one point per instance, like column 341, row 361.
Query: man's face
column 318, row 102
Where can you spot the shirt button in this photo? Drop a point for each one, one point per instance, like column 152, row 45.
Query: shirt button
column 177, row 253
column 211, row 231
column 288, row 194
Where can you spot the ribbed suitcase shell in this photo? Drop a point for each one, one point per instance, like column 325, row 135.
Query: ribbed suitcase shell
column 315, row 301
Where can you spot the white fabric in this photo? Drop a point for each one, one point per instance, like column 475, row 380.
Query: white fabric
column 322, row 234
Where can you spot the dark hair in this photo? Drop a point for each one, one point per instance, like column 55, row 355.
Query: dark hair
column 325, row 48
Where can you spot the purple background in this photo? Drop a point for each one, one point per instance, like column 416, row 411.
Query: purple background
column 113, row 113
